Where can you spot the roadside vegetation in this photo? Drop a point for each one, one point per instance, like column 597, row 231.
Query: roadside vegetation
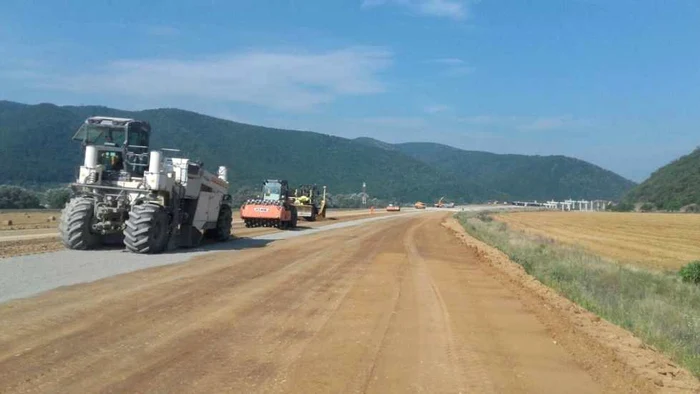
column 661, row 308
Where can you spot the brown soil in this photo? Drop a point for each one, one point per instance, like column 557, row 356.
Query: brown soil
column 393, row 306
column 29, row 246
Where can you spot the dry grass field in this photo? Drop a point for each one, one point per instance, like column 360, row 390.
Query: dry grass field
column 32, row 219
column 653, row 240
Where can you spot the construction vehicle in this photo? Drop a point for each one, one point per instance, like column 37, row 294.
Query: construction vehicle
column 441, row 204
column 393, row 208
column 153, row 202
column 419, row 205
column 274, row 209
column 309, row 204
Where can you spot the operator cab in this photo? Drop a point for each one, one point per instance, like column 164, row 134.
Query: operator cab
column 122, row 144
column 275, row 190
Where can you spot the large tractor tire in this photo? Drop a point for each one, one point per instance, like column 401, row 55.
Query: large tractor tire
column 295, row 219
column 147, row 229
column 76, row 222
column 222, row 232
column 314, row 213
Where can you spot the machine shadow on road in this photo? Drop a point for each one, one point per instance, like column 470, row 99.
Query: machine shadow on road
column 233, row 244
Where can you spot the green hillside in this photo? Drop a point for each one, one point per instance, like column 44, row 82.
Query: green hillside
column 672, row 186
column 35, row 148
column 523, row 177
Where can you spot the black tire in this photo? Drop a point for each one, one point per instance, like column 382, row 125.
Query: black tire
column 222, row 232
column 147, row 229
column 76, row 222
column 293, row 222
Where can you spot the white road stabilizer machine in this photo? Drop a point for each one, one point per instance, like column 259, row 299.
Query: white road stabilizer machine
column 155, row 202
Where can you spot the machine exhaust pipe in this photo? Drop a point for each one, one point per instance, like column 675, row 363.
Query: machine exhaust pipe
column 154, row 163
column 90, row 156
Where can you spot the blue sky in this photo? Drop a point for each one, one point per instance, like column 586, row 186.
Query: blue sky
column 616, row 82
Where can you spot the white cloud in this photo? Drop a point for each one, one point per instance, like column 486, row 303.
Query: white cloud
column 281, row 80
column 450, row 61
column 454, row 9
column 454, row 66
column 435, row 109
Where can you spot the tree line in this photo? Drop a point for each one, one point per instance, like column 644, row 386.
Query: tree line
column 17, row 197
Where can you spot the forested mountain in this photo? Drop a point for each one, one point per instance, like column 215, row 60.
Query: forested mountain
column 36, row 147
column 672, row 186
column 523, row 177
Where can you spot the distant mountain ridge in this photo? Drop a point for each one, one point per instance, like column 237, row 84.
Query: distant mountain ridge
column 520, row 176
column 36, row 147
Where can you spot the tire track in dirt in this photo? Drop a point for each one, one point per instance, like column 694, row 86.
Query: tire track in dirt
column 465, row 362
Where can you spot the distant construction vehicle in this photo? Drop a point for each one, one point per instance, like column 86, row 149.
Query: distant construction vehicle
column 419, row 205
column 441, row 204
column 155, row 203
column 309, row 202
column 275, row 209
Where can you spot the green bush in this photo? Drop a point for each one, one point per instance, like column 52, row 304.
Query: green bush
column 57, row 198
column 15, row 197
column 646, row 207
column 673, row 206
column 484, row 216
column 622, row 207
column 692, row 208
column 691, row 272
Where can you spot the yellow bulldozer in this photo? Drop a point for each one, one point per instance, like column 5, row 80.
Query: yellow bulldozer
column 309, row 202
column 419, row 205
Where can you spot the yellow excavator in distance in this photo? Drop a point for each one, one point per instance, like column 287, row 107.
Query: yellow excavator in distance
column 439, row 204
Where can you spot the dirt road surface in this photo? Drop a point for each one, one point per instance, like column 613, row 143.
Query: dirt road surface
column 395, row 306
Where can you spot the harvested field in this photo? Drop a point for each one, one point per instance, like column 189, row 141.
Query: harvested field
column 653, row 240
column 31, row 219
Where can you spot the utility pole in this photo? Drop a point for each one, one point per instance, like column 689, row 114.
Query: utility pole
column 364, row 194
